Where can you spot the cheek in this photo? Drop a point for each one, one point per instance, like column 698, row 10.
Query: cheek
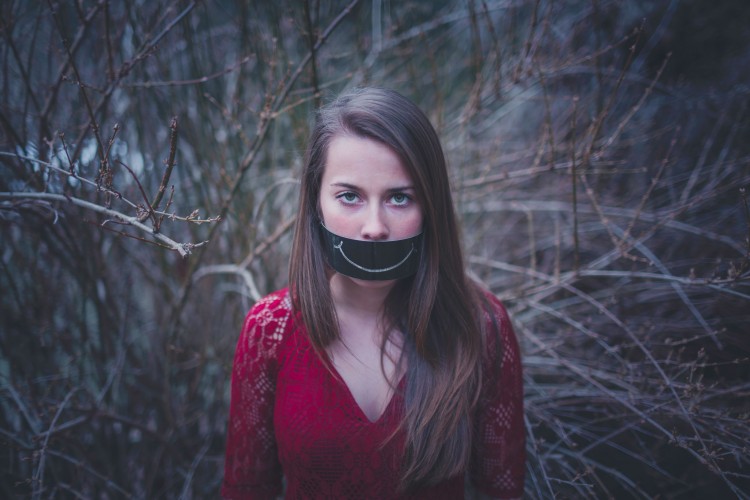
column 334, row 219
column 415, row 223
column 325, row 211
column 406, row 225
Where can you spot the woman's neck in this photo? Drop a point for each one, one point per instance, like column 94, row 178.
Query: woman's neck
column 364, row 299
column 365, row 357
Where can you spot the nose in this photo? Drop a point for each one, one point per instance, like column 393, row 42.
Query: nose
column 374, row 226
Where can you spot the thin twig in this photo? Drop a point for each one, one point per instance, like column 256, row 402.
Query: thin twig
column 169, row 164
column 148, row 209
column 185, row 494
column 574, row 180
column 38, row 477
column 193, row 81
column 267, row 242
column 85, row 467
column 621, row 126
column 654, row 181
column 65, row 148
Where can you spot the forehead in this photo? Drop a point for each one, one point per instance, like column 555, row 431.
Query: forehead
column 352, row 158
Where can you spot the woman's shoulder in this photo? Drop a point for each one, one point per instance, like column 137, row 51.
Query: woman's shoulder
column 492, row 306
column 274, row 305
column 494, row 313
column 268, row 322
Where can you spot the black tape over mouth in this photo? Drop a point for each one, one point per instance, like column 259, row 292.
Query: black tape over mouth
column 371, row 260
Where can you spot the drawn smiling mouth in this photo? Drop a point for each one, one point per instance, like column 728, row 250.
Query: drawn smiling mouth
column 340, row 245
column 371, row 260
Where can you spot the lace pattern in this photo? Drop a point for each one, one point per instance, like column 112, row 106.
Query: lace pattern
column 290, row 413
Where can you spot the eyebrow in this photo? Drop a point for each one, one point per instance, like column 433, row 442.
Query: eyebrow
column 346, row 185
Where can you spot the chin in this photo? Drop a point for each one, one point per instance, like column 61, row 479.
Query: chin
column 373, row 284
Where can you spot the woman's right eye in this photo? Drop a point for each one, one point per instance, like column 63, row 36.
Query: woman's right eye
column 348, row 197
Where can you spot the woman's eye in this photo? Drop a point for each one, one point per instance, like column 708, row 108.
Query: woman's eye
column 348, row 197
column 400, row 199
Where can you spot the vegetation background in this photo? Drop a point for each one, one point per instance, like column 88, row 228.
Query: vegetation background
column 599, row 154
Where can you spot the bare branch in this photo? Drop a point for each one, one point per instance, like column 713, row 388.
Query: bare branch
column 240, row 271
column 148, row 209
column 169, row 163
column 183, row 249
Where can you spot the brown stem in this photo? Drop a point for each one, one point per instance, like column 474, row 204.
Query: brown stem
column 149, row 209
column 170, row 165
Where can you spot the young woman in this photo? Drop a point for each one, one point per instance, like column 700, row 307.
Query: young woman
column 382, row 371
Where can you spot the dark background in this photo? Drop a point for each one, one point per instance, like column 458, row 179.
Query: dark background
column 598, row 151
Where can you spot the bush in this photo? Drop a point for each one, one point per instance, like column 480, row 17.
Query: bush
column 599, row 162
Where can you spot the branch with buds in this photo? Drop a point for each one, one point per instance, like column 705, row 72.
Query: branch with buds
column 143, row 211
column 184, row 249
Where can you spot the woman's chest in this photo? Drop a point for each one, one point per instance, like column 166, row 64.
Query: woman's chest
column 326, row 445
column 315, row 409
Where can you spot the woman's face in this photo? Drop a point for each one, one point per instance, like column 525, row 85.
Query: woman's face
column 366, row 193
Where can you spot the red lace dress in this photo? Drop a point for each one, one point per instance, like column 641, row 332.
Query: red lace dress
column 289, row 413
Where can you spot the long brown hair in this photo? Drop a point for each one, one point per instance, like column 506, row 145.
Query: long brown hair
column 436, row 309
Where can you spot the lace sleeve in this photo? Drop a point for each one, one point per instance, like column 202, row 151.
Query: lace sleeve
column 251, row 467
column 499, row 460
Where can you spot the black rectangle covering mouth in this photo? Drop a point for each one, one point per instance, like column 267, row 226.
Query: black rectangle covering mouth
column 371, row 260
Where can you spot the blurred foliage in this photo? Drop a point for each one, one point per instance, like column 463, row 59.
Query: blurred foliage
column 599, row 156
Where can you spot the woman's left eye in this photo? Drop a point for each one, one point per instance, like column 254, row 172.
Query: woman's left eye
column 400, row 199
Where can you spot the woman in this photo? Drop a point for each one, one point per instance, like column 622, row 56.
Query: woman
column 383, row 371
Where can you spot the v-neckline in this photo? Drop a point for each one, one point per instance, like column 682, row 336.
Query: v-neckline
column 336, row 376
